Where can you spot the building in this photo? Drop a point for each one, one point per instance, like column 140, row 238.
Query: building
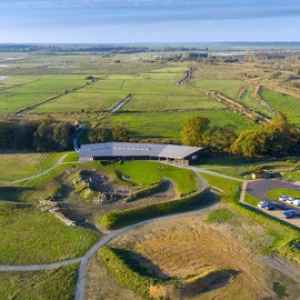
column 134, row 151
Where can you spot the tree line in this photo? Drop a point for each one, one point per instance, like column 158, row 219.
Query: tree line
column 46, row 134
column 278, row 137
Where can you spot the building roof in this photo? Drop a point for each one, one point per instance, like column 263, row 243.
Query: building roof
column 114, row 149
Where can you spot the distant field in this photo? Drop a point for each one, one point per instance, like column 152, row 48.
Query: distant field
column 17, row 166
column 78, row 100
column 23, row 96
column 146, row 102
column 29, row 236
column 288, row 105
column 168, row 125
column 51, row 285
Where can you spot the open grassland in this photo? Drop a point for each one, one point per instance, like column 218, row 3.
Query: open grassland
column 31, row 237
column 288, row 105
column 51, row 285
column 185, row 248
column 276, row 193
column 168, row 124
column 21, row 165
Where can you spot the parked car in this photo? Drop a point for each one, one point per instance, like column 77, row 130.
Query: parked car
column 262, row 204
column 270, row 206
column 284, row 198
column 291, row 200
column 296, row 202
column 288, row 214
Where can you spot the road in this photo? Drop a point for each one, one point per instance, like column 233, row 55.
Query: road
column 188, row 75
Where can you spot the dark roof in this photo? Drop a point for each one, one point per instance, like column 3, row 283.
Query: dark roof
column 114, row 149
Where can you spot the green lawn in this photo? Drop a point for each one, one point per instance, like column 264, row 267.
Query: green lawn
column 231, row 189
column 251, row 200
column 147, row 172
column 276, row 193
column 31, row 237
column 21, row 165
column 169, row 124
column 40, row 285
column 288, row 105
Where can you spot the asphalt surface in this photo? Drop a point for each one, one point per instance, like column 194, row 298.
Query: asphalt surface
column 259, row 188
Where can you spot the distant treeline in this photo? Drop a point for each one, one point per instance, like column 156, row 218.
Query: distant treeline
column 46, row 134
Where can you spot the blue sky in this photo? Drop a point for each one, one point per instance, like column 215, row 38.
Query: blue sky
column 137, row 21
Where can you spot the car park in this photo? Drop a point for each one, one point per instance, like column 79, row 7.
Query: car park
column 289, row 214
column 284, row 198
column 262, row 204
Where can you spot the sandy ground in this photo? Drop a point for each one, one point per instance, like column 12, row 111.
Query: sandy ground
column 185, row 245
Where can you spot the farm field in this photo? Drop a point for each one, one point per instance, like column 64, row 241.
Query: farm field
column 51, row 285
column 288, row 105
column 168, row 124
column 183, row 248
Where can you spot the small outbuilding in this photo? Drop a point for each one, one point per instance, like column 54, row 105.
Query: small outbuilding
column 135, row 151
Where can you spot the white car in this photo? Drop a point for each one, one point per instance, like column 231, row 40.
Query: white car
column 262, row 204
column 296, row 202
column 291, row 200
column 284, row 198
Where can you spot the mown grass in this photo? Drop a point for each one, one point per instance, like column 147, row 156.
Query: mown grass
column 220, row 216
column 231, row 189
column 51, row 285
column 147, row 172
column 288, row 105
column 20, row 165
column 276, row 193
column 284, row 236
column 251, row 199
column 169, row 124
column 74, row 156
column 31, row 237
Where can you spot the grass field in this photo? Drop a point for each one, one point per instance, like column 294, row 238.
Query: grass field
column 276, row 193
column 288, row 105
column 31, row 164
column 31, row 237
column 29, row 94
column 168, row 124
column 51, row 285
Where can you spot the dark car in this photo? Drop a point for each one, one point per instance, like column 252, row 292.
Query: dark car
column 270, row 206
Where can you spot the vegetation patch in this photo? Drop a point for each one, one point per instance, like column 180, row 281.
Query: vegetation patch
column 51, row 285
column 117, row 219
column 220, row 216
column 284, row 236
column 251, row 200
column 276, row 193
column 29, row 237
column 71, row 157
column 231, row 188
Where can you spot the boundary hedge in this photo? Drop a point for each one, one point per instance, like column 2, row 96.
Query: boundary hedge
column 119, row 218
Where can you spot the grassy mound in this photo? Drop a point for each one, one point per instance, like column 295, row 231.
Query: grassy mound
column 119, row 218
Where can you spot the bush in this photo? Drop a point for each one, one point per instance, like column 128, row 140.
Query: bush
column 119, row 218
column 220, row 216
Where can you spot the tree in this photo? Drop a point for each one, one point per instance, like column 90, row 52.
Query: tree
column 194, row 130
column 6, row 135
column 100, row 135
column 250, row 143
column 62, row 135
column 120, row 134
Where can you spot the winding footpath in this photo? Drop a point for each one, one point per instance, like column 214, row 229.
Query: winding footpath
column 82, row 272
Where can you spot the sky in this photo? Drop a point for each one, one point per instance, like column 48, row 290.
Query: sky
column 148, row 21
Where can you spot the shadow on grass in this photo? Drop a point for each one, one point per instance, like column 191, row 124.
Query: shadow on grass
column 13, row 194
